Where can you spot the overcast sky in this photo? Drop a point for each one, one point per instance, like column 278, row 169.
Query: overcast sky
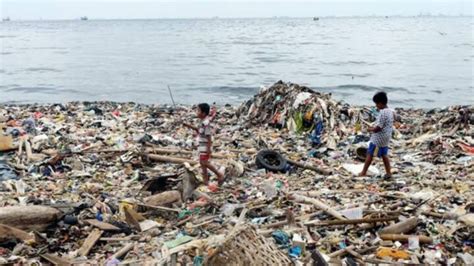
column 110, row 9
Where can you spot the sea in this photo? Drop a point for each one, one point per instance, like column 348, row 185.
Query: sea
column 421, row 62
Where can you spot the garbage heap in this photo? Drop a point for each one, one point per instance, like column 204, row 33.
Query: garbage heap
column 119, row 183
column 300, row 110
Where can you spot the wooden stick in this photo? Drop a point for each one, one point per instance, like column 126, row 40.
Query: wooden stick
column 185, row 220
column 268, row 232
column 309, row 167
column 319, row 204
column 404, row 238
column 161, row 208
column 352, row 221
column 275, row 224
column 111, row 239
column 340, row 252
column 446, row 216
column 285, row 222
column 201, row 224
column 401, row 227
column 123, row 251
column 167, row 159
column 386, row 262
column 354, row 253
column 180, row 151
column 340, row 191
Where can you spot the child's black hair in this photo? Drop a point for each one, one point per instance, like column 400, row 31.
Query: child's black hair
column 380, row 97
column 205, row 108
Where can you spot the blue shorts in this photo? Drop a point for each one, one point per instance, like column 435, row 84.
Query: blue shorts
column 379, row 151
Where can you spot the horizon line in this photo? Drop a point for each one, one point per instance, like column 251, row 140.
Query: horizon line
column 218, row 17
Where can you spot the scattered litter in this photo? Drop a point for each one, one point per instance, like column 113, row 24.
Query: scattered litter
column 120, row 183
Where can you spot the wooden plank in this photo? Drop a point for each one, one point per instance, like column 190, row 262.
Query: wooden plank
column 102, row 225
column 55, row 260
column 90, row 242
column 352, row 221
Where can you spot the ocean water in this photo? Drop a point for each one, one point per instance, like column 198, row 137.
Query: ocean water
column 420, row 61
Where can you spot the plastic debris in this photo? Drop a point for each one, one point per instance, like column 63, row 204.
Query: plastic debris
column 120, row 183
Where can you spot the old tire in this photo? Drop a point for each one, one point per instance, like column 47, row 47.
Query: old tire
column 270, row 160
column 361, row 153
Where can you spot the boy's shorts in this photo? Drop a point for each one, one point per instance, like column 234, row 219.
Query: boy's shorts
column 204, row 157
column 378, row 151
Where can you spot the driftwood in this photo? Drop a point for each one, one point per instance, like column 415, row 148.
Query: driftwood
column 9, row 232
column 401, row 227
column 309, row 167
column 404, row 238
column 164, row 198
column 31, row 217
column 55, row 260
column 123, row 251
column 182, row 152
column 352, row 221
column 168, row 159
column 319, row 204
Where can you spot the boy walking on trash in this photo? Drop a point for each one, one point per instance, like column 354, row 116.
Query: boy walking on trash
column 205, row 141
column 381, row 134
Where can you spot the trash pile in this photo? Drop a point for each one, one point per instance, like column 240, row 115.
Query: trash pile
column 120, row 183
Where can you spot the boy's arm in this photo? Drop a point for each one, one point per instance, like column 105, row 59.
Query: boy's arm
column 375, row 129
column 190, row 126
column 379, row 123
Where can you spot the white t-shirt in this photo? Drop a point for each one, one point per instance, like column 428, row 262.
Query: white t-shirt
column 385, row 122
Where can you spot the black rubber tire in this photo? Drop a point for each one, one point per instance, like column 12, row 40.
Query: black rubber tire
column 270, row 160
column 361, row 153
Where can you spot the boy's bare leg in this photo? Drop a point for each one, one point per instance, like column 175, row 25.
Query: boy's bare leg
column 205, row 175
column 368, row 161
column 386, row 163
column 220, row 176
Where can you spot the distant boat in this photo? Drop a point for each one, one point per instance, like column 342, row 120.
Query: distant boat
column 315, row 18
column 6, row 19
column 84, row 18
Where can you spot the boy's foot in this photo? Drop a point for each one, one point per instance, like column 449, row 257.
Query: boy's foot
column 213, row 187
column 221, row 179
column 387, row 177
column 362, row 174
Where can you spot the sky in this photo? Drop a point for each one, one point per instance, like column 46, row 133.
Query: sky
column 130, row 9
